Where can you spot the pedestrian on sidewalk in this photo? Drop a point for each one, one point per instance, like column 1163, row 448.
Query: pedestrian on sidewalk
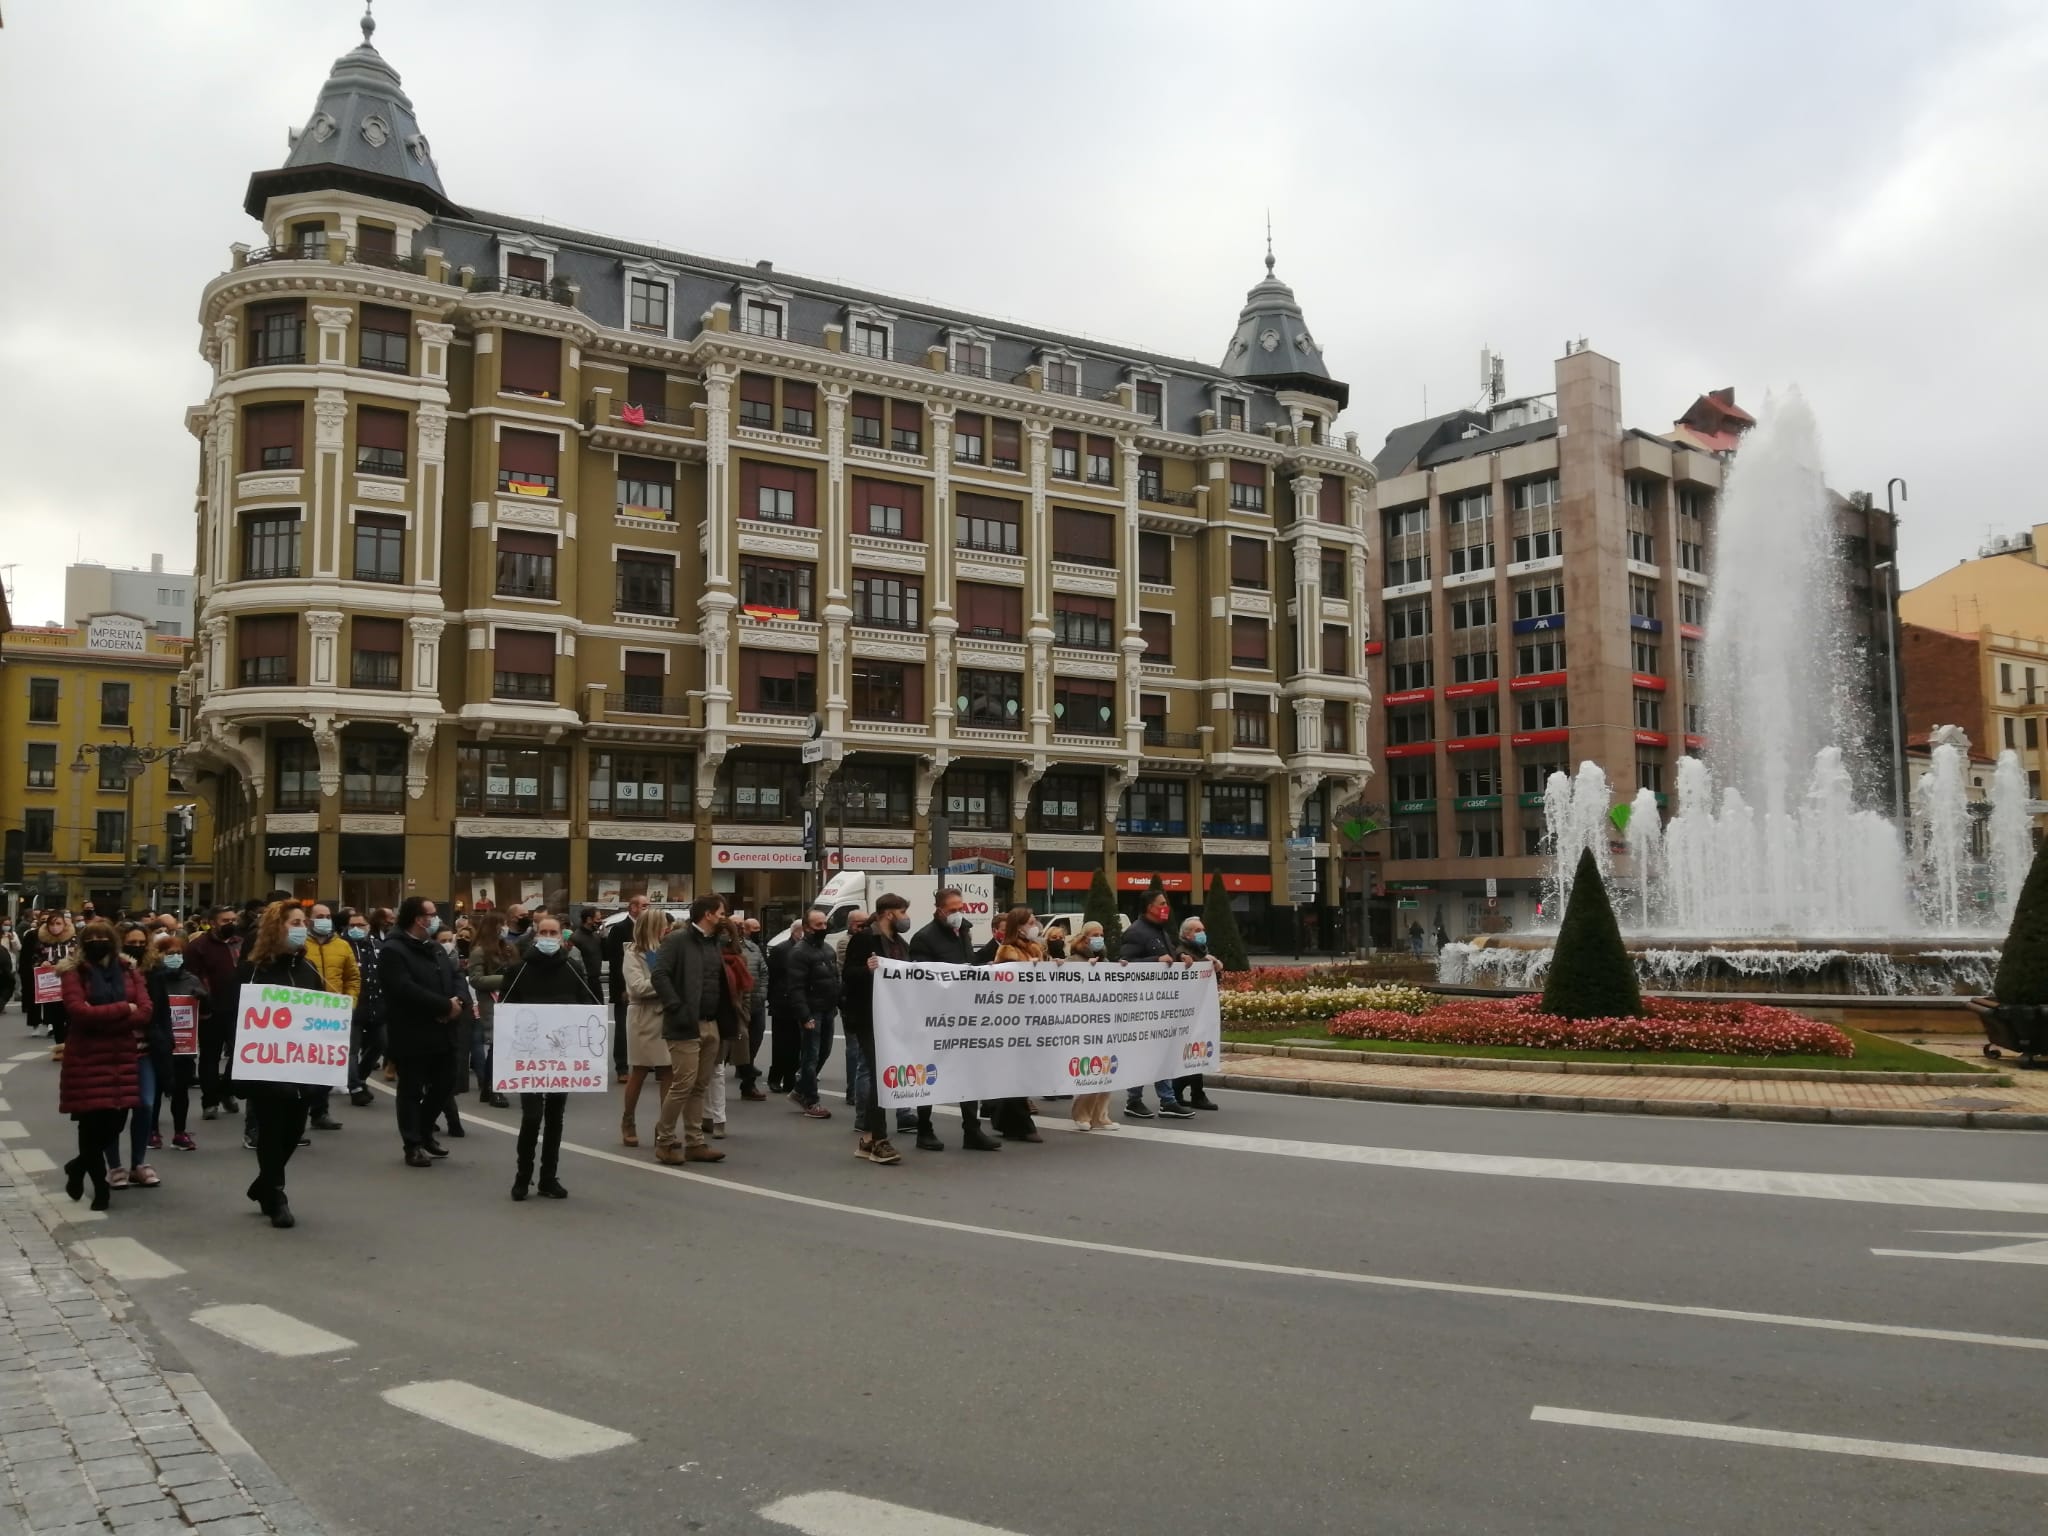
column 214, row 957
column 423, row 999
column 550, row 970
column 331, row 954
column 814, row 987
column 1090, row 1110
column 697, row 1010
column 276, row 957
column 1150, row 940
column 366, row 1024
column 152, row 1066
column 756, row 1017
column 106, row 1008
column 51, row 943
column 1021, row 944
column 945, row 940
column 1194, row 939
column 173, row 982
column 732, row 1048
column 646, row 1051
column 785, row 1009
column 491, row 960
column 884, row 938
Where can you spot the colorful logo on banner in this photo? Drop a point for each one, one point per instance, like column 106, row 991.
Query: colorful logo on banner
column 1198, row 1053
column 1086, row 1069
column 911, row 1075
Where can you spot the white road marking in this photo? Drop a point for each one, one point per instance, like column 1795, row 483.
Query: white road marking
column 34, row 1160
column 2030, row 1248
column 493, row 1416
column 847, row 1514
column 13, row 1130
column 1341, row 1276
column 269, row 1330
column 5, row 1107
column 126, row 1259
column 1837, row 1445
column 30, row 1056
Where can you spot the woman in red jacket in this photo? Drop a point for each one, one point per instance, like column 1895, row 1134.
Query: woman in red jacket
column 106, row 1009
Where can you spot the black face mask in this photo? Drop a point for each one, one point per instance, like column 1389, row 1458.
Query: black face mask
column 99, row 951
column 135, row 951
column 814, row 935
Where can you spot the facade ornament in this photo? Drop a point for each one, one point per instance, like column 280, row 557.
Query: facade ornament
column 321, row 128
column 929, row 771
column 375, row 131
column 433, row 423
column 325, row 738
column 421, row 150
column 419, row 750
column 712, row 632
column 330, row 416
column 1269, row 339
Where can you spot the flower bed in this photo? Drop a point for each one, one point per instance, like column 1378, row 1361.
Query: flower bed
column 1728, row 1029
column 1303, row 978
column 1271, row 1009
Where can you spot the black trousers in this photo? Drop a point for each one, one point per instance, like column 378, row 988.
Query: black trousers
column 425, row 1080
column 367, row 1050
column 1185, row 1088
column 757, row 1021
column 216, row 1062
column 782, row 1049
column 99, row 1131
column 619, row 1027
column 280, row 1122
column 540, row 1119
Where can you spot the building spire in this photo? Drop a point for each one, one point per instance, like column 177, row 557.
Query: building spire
column 1269, row 242
column 369, row 22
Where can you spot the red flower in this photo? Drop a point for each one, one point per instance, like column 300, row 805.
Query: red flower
column 1731, row 1028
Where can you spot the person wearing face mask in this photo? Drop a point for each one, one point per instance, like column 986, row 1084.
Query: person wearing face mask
column 784, row 1010
column 615, row 938
column 329, row 952
column 1090, row 1110
column 1056, row 942
column 756, row 1020
column 646, row 1051
column 697, row 1013
column 51, row 944
column 1194, row 940
column 152, row 1063
column 491, row 958
column 550, row 971
column 276, row 957
column 468, row 1031
column 945, row 941
column 1150, row 939
column 882, row 939
column 173, row 985
column 815, row 988
column 212, row 957
column 106, row 1010
column 423, row 999
column 366, row 1028
column 1022, row 942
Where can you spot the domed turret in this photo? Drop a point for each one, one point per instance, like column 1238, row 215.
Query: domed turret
column 1273, row 345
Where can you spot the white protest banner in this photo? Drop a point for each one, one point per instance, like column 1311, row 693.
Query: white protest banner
column 289, row 1035
column 552, row 1048
column 184, row 1026
column 944, row 1033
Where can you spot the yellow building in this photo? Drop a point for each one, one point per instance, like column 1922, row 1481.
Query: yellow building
column 2003, row 591
column 90, row 716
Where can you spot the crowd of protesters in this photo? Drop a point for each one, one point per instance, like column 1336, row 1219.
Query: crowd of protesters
column 140, row 1011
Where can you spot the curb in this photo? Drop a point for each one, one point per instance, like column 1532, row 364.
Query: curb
column 1704, row 1109
column 1626, row 1068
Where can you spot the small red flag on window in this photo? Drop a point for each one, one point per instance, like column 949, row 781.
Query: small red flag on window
column 633, row 415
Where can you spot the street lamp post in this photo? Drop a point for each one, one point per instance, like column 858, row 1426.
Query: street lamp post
column 133, row 761
column 1891, row 638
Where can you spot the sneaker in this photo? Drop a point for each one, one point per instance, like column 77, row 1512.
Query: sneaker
column 1176, row 1111
column 1138, row 1109
column 117, row 1178
column 326, row 1123
column 718, row 1130
column 879, row 1151
column 248, row 1143
column 184, row 1143
column 156, row 1141
column 703, row 1155
column 210, row 1112
column 753, row 1096
column 145, row 1176
column 817, row 1112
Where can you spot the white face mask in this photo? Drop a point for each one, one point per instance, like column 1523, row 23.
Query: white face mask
column 956, row 920
column 1031, row 933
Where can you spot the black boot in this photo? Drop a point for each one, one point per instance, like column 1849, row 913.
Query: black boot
column 74, row 1178
column 260, row 1193
column 102, row 1191
column 977, row 1140
column 521, row 1179
column 281, row 1212
column 551, row 1188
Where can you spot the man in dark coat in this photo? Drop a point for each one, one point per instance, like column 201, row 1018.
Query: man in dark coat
column 696, row 1015
column 882, row 939
column 1150, row 938
column 814, row 989
column 783, row 1013
column 213, row 957
column 945, row 941
column 423, row 997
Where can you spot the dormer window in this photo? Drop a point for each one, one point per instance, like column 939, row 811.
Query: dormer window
column 869, row 338
column 647, row 304
column 763, row 317
column 1149, row 400
column 1231, row 408
column 526, row 273
column 1062, row 376
column 971, row 357
column 309, row 240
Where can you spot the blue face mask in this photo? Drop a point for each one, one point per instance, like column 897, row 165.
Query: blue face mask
column 174, row 962
column 547, row 946
column 433, row 925
column 359, row 933
column 1199, row 940
column 323, row 926
column 1095, row 944
column 296, row 937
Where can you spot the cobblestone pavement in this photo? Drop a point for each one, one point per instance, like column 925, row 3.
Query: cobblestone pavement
column 2028, row 1095
column 95, row 1435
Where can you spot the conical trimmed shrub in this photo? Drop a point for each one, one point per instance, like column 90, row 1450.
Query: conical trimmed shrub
column 1101, row 908
column 1591, row 975
column 1220, row 923
column 2023, row 965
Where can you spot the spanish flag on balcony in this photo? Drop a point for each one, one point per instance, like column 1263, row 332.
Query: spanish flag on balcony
column 633, row 415
column 525, row 487
column 761, row 613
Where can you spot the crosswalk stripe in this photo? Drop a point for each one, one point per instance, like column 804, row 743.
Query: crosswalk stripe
column 493, row 1416
column 848, row 1514
column 34, row 1160
column 126, row 1259
column 5, row 1107
column 29, row 1056
column 269, row 1330
column 1836, row 1445
column 13, row 1130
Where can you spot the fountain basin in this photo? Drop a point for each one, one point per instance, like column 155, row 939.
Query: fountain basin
column 1795, row 968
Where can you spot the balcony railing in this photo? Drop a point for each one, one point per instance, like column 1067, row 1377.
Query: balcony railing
column 1165, row 738
column 277, row 357
column 389, row 798
column 376, row 669
column 292, row 250
column 523, row 685
column 555, row 292
column 654, row 704
column 390, row 261
column 546, row 485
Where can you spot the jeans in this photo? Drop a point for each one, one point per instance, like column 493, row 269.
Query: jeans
column 805, row 1087
column 860, row 1045
column 757, row 1023
column 540, row 1119
column 424, row 1084
column 1163, row 1089
column 141, row 1120
column 860, row 1071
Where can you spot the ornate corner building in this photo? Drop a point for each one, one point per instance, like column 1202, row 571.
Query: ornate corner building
column 531, row 561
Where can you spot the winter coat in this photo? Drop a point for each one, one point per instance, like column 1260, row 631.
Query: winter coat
column 678, row 974
column 1146, row 940
column 335, row 959
column 215, row 961
column 556, row 978
column 644, row 1044
column 417, row 981
column 857, row 996
column 814, row 984
column 487, row 973
column 588, row 944
column 164, row 985
column 757, row 967
column 782, row 1002
column 102, row 1039
column 937, row 944
column 287, row 970
column 370, row 1004
column 1019, row 951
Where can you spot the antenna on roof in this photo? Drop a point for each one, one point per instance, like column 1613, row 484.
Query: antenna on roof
column 1493, row 377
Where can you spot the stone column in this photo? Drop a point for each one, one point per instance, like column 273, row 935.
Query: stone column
column 431, row 457
column 325, row 629
column 1037, row 577
column 327, row 493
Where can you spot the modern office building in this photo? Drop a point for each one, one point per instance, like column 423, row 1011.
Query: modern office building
column 531, row 561
column 92, row 717
column 1542, row 580
column 161, row 599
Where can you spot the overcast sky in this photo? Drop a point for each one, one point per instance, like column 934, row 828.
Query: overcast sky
column 1850, row 196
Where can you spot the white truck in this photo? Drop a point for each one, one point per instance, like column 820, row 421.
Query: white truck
column 857, row 890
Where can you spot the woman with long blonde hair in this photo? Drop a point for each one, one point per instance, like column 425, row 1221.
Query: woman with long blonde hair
column 1090, row 1110
column 646, row 1051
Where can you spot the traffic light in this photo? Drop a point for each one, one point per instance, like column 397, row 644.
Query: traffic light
column 178, row 834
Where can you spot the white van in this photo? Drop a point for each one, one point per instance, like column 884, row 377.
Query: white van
column 857, row 890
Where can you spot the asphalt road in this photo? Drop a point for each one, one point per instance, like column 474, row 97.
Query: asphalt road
column 1294, row 1316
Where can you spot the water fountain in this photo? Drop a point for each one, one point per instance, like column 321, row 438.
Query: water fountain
column 1771, row 875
